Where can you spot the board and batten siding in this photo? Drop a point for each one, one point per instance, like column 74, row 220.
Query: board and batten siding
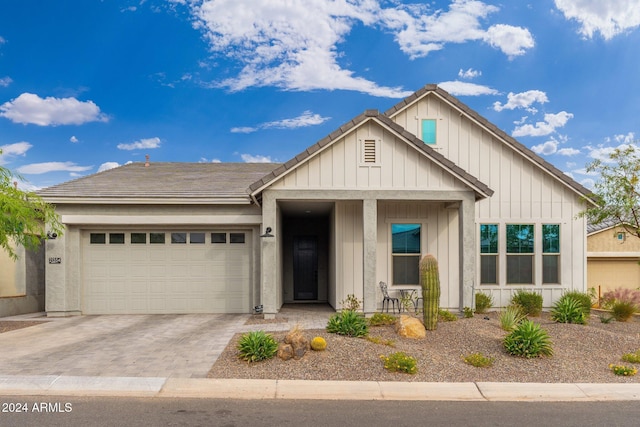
column 524, row 193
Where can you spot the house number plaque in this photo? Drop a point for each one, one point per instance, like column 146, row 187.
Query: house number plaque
column 55, row 260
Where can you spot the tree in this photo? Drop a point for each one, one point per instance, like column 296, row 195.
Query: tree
column 617, row 192
column 24, row 216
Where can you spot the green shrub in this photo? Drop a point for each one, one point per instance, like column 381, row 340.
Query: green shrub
column 351, row 303
column 467, row 312
column 348, row 323
column 528, row 340
column 478, row 360
column 400, row 362
column 379, row 319
column 511, row 317
column 568, row 310
column 620, row 294
column 631, row 357
column 378, row 340
column 606, row 319
column 531, row 302
column 483, row 302
column 256, row 346
column 623, row 310
column 627, row 371
column 583, row 298
column 447, row 316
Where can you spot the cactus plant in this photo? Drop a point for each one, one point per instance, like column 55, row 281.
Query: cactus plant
column 430, row 282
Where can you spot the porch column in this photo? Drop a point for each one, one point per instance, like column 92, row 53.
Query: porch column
column 467, row 250
column 268, row 257
column 370, row 237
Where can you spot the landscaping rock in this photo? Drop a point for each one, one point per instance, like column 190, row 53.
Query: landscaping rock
column 285, row 351
column 410, row 327
column 298, row 342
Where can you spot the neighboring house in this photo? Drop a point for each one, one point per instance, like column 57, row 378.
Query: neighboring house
column 613, row 258
column 360, row 206
column 21, row 282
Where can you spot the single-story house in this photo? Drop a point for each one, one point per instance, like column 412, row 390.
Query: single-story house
column 358, row 207
column 613, row 258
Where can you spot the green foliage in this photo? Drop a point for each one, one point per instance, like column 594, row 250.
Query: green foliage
column 379, row 319
column 447, row 316
column 468, row 313
column 511, row 317
column 531, row 302
column 585, row 300
column 351, row 303
column 478, row 360
column 627, row 371
column 25, row 216
column 348, row 323
column 528, row 340
column 318, row 344
column 617, row 192
column 256, row 346
column 483, row 302
column 623, row 310
column 606, row 319
column 620, row 294
column 430, row 283
column 568, row 310
column 400, row 362
column 631, row 357
column 378, row 340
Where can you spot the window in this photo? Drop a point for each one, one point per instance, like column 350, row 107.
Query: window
column 550, row 253
column 116, row 238
column 178, row 238
column 405, row 253
column 489, row 254
column 236, row 237
column 218, row 237
column 156, row 238
column 196, row 238
column 138, row 238
column 428, row 131
column 98, row 238
column 520, row 248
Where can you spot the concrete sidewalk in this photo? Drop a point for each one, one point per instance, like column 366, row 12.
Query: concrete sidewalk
column 51, row 385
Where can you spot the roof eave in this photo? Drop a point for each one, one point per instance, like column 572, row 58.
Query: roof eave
column 233, row 200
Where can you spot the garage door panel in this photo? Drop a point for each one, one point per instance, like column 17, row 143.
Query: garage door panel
column 192, row 277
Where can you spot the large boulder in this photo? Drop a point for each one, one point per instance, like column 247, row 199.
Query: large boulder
column 300, row 343
column 410, row 327
column 285, row 351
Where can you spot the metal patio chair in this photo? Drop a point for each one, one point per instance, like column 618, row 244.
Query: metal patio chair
column 388, row 299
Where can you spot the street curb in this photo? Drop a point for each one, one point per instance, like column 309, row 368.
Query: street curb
column 215, row 388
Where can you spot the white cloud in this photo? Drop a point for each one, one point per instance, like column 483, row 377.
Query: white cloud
column 108, row 165
column 607, row 17
column 205, row 160
column 307, row 118
column 549, row 125
column 469, row 74
column 244, row 129
column 29, row 108
column 522, row 100
column 603, row 152
column 458, row 88
column 568, row 152
column 145, row 143
column 73, row 139
column 248, row 158
column 546, row 148
column 40, row 168
column 5, row 81
column 629, row 138
column 275, row 45
column 10, row 150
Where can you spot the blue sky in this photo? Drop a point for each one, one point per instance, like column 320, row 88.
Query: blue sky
column 86, row 85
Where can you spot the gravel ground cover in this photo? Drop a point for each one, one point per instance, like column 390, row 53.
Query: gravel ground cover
column 11, row 325
column 582, row 353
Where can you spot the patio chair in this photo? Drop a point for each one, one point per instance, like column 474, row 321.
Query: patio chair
column 388, row 299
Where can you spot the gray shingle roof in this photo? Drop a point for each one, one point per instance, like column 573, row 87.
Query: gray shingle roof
column 165, row 180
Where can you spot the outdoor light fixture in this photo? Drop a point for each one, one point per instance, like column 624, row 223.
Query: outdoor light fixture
column 51, row 235
column 267, row 233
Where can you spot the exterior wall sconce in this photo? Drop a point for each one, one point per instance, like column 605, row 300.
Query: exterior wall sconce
column 267, row 233
column 52, row 236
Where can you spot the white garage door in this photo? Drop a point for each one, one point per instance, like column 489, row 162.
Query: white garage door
column 131, row 272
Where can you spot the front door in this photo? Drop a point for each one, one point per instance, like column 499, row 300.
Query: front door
column 305, row 268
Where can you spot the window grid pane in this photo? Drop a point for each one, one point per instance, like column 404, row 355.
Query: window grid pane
column 406, row 270
column 489, row 238
column 116, row 238
column 196, row 238
column 519, row 269
column 218, row 237
column 97, row 238
column 236, row 237
column 550, row 269
column 138, row 238
column 489, row 269
column 520, row 239
column 156, row 238
column 550, row 238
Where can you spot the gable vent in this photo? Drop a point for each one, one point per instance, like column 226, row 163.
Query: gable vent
column 369, row 151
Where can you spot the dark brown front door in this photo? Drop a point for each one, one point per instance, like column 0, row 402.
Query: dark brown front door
column 305, row 268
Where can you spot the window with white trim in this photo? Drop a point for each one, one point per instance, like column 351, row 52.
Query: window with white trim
column 405, row 253
column 489, row 238
column 520, row 252
column 550, row 253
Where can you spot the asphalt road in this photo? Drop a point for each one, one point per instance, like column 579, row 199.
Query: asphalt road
column 100, row 411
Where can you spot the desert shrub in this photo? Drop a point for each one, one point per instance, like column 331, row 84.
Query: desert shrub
column 446, row 316
column 568, row 310
column 631, row 357
column 620, row 294
column 627, row 371
column 318, row 344
column 528, row 340
column 348, row 323
column 606, row 319
column 623, row 310
column 378, row 340
column 351, row 303
column 483, row 302
column 583, row 298
column 531, row 302
column 478, row 360
column 400, row 362
column 256, row 346
column 467, row 312
column 511, row 317
column 379, row 319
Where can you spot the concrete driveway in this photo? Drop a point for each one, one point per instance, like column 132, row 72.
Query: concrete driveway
column 130, row 345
